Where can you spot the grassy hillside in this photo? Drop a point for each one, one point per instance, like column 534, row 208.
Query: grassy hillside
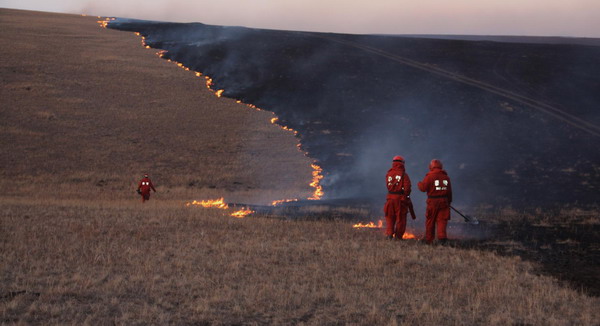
column 86, row 110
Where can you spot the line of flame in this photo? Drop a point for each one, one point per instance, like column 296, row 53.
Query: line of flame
column 370, row 225
column 210, row 203
column 316, row 182
column 379, row 225
column 408, row 235
column 317, row 175
column 104, row 21
column 241, row 213
column 281, row 201
column 220, row 204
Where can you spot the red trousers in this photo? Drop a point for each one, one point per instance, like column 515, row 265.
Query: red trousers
column 437, row 214
column 395, row 216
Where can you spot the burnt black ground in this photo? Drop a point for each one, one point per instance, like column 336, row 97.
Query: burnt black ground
column 569, row 252
column 515, row 123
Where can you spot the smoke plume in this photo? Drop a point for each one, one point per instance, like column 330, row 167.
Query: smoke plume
column 514, row 123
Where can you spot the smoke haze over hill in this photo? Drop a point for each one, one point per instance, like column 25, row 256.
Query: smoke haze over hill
column 578, row 18
column 514, row 124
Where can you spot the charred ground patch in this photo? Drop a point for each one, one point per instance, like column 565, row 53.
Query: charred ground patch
column 567, row 251
column 511, row 121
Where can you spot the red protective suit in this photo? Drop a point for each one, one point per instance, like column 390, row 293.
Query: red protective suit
column 439, row 197
column 396, row 206
column 144, row 187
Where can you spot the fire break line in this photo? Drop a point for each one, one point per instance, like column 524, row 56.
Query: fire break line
column 540, row 106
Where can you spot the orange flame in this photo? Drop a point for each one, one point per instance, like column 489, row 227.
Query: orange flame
column 211, row 203
column 289, row 129
column 180, row 65
column 252, row 106
column 220, row 204
column 242, row 213
column 370, row 225
column 408, row 235
column 281, row 201
column 316, row 182
column 104, row 23
column 209, row 85
column 146, row 45
column 379, row 225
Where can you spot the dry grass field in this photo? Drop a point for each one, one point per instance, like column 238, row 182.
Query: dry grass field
column 85, row 110
column 120, row 262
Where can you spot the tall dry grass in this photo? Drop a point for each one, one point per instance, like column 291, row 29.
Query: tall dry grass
column 162, row 263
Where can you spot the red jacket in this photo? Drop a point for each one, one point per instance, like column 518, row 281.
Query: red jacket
column 437, row 185
column 397, row 181
column 145, row 185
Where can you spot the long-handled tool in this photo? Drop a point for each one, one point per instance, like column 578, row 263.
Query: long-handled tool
column 411, row 209
column 468, row 219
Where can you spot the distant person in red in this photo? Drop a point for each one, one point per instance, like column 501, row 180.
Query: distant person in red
column 439, row 197
column 144, row 188
column 396, row 204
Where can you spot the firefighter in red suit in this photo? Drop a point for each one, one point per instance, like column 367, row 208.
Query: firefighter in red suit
column 439, row 197
column 144, row 188
column 396, row 204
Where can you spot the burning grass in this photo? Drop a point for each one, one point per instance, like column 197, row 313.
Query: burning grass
column 122, row 262
column 220, row 204
column 317, row 171
column 77, row 247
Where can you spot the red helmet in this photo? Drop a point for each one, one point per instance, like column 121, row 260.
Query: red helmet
column 435, row 163
column 145, row 175
column 398, row 158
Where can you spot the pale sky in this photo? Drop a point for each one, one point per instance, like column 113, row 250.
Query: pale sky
column 580, row 18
